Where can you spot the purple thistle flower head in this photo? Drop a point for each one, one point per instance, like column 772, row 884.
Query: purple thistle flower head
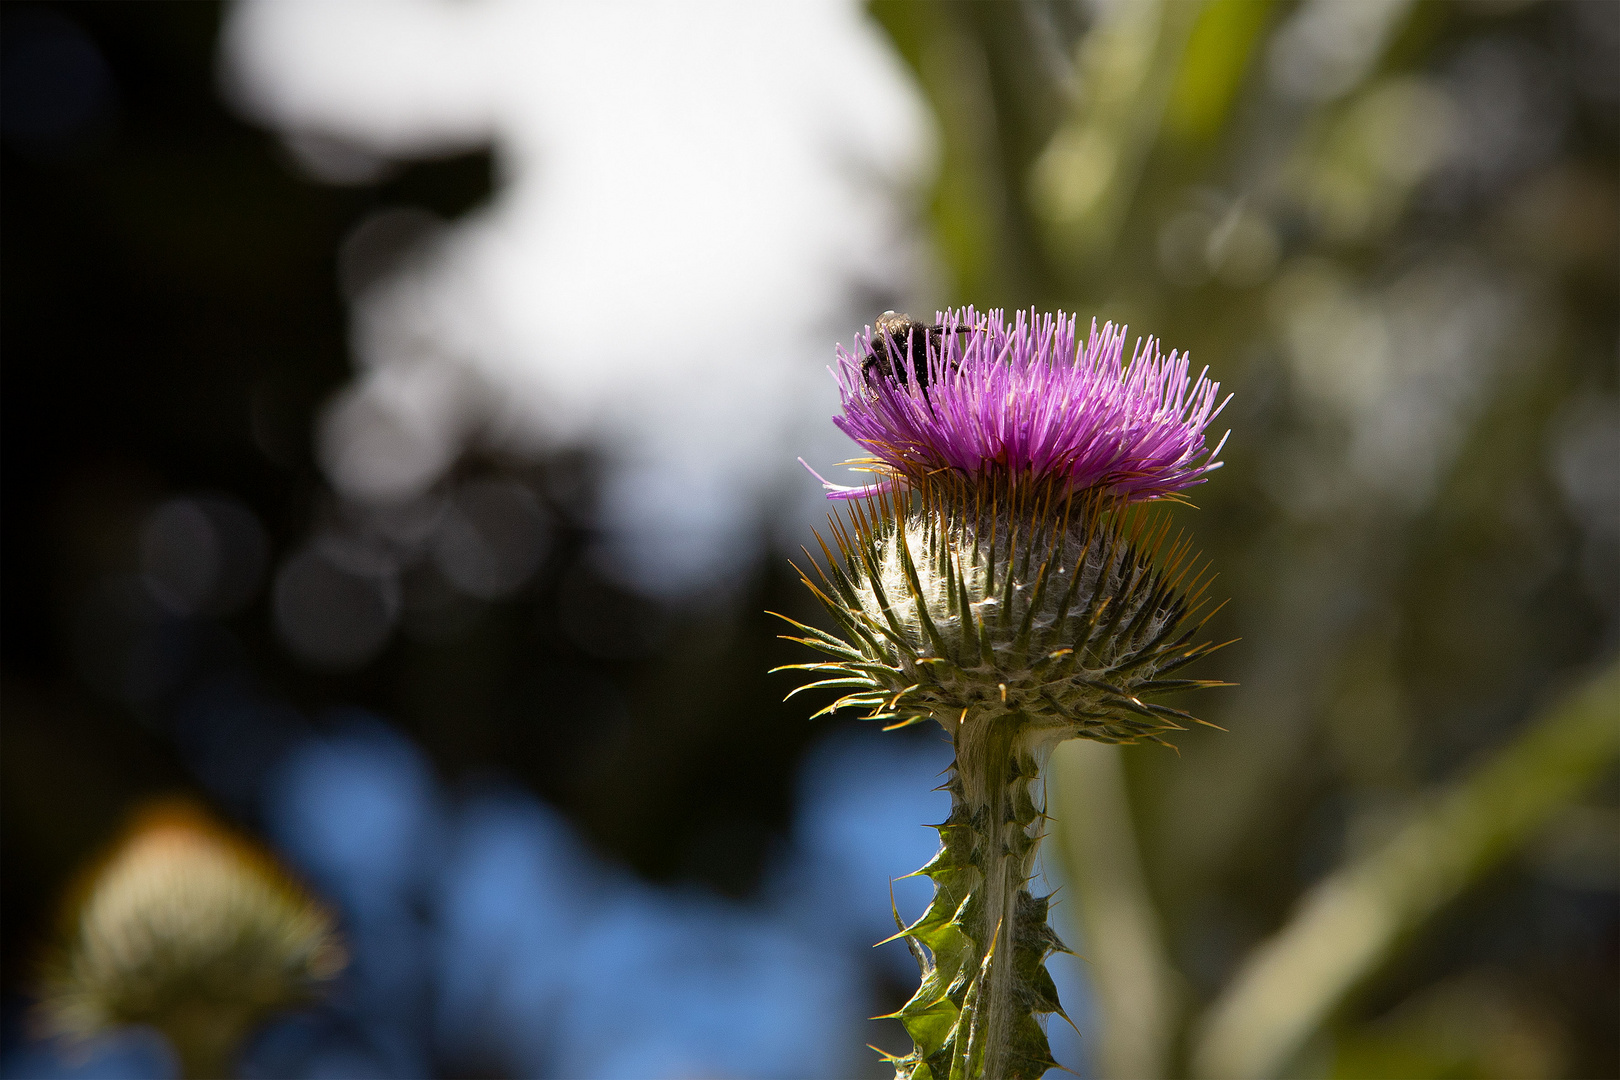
column 970, row 589
column 1029, row 400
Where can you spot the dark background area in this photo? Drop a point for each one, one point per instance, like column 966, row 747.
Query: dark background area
column 172, row 319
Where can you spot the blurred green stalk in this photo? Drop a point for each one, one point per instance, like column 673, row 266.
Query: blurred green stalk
column 1352, row 922
column 1082, row 184
column 1134, row 981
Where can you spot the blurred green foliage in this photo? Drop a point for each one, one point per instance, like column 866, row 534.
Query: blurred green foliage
column 1391, row 228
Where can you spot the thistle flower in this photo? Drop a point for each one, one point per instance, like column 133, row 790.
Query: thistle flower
column 193, row 931
column 1002, row 577
column 1030, row 400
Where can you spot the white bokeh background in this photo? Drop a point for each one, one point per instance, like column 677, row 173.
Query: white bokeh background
column 693, row 202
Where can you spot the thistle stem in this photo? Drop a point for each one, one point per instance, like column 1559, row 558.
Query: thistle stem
column 1005, row 854
column 975, row 1015
column 205, row 1041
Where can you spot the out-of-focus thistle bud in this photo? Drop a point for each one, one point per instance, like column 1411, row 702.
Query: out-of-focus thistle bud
column 192, row 930
column 1002, row 578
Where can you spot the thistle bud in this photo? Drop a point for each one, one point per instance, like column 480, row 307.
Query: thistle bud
column 193, row 931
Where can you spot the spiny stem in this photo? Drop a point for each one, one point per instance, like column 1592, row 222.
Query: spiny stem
column 1007, row 853
column 976, row 1013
